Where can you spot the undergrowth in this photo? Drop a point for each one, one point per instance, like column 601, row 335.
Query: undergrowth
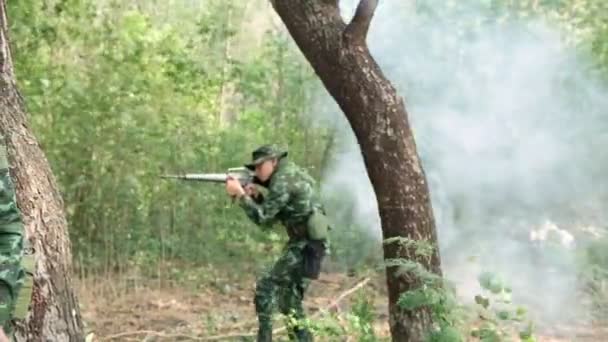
column 499, row 317
column 357, row 323
column 594, row 278
column 493, row 317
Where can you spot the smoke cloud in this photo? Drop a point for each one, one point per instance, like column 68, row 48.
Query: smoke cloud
column 507, row 119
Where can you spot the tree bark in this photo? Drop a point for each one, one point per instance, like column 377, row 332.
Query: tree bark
column 54, row 313
column 340, row 57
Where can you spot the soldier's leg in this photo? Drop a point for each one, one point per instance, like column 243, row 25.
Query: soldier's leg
column 290, row 303
column 291, row 292
column 264, row 298
column 267, row 286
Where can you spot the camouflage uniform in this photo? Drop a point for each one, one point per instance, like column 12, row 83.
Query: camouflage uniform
column 12, row 274
column 290, row 201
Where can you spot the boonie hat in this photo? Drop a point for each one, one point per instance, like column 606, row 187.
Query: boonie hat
column 263, row 153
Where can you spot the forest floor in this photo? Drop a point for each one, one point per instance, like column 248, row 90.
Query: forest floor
column 169, row 314
column 134, row 311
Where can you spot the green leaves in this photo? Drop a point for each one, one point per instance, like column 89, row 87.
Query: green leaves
column 526, row 334
column 487, row 333
column 492, row 282
column 420, row 297
column 446, row 334
column 496, row 311
column 503, row 315
column 484, row 302
column 421, row 247
column 119, row 94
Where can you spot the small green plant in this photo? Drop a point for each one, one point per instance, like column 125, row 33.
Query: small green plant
column 361, row 319
column 498, row 313
column 357, row 323
column 594, row 278
column 327, row 326
column 494, row 306
column 445, row 310
column 434, row 293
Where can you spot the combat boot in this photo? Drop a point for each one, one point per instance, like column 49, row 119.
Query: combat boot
column 264, row 335
column 300, row 335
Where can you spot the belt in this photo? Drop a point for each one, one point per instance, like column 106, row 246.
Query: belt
column 297, row 233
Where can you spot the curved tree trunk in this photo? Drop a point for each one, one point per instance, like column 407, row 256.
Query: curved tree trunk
column 340, row 57
column 54, row 312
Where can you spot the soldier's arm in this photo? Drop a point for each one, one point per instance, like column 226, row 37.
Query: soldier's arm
column 10, row 215
column 264, row 213
column 254, row 193
column 11, row 235
column 258, row 198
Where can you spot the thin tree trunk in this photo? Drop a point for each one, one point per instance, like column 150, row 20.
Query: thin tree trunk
column 224, row 114
column 279, row 109
column 330, row 147
column 340, row 57
column 54, row 313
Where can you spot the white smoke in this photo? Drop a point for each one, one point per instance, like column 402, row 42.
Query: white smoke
column 508, row 124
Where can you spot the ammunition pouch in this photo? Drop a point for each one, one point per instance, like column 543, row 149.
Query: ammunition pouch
column 317, row 225
column 24, row 298
column 313, row 253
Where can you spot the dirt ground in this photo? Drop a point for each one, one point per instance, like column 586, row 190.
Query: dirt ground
column 137, row 312
column 170, row 314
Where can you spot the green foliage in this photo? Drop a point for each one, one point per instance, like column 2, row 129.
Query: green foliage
column 493, row 282
column 594, row 277
column 446, row 334
column 357, row 323
column 495, row 308
column 433, row 293
column 118, row 94
column 498, row 314
column 421, row 248
column 353, row 245
column 352, row 249
column 584, row 23
column 363, row 310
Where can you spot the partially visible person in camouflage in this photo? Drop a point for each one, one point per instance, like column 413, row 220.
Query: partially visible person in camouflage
column 12, row 274
column 291, row 200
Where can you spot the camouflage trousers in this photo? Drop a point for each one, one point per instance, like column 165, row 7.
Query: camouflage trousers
column 12, row 273
column 12, row 276
column 284, row 286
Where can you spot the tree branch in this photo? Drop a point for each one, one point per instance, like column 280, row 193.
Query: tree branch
column 345, row 294
column 356, row 30
column 149, row 333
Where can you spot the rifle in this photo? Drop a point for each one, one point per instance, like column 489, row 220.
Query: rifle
column 242, row 174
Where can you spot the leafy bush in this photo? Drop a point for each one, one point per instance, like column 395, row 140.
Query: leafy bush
column 594, row 278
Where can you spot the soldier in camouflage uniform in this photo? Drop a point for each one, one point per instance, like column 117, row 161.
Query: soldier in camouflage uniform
column 12, row 273
column 291, row 199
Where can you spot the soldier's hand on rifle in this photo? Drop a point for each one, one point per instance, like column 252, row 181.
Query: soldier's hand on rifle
column 251, row 190
column 234, row 188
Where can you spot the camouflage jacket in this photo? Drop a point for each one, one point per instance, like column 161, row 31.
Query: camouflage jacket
column 290, row 199
column 10, row 215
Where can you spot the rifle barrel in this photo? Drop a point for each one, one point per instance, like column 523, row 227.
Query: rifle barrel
column 202, row 177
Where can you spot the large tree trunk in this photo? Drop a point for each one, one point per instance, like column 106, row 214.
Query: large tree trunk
column 340, row 57
column 54, row 312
